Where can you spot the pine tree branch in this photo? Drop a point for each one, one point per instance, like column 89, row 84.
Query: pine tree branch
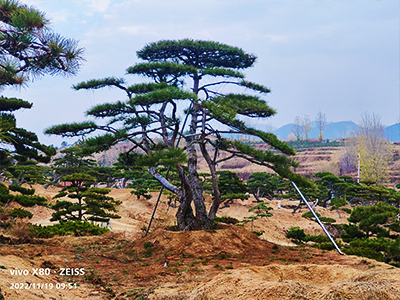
column 165, row 183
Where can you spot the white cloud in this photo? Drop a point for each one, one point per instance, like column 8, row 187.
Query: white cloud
column 62, row 16
column 135, row 30
column 276, row 38
column 99, row 5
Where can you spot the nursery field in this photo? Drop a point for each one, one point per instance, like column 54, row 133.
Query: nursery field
column 312, row 160
column 228, row 262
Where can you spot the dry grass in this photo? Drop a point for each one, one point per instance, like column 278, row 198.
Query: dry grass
column 20, row 230
column 298, row 282
column 4, row 216
column 377, row 290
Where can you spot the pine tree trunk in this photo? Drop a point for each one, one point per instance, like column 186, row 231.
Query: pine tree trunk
column 217, row 197
column 184, row 217
column 193, row 176
column 80, row 209
column 198, row 198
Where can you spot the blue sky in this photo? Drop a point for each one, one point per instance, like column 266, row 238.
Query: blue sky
column 337, row 56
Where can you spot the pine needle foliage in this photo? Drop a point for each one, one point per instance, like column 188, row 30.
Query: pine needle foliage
column 30, row 49
column 373, row 232
column 25, row 197
column 231, row 187
column 73, row 129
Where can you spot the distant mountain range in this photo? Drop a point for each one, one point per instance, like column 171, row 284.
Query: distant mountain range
column 393, row 132
column 335, row 130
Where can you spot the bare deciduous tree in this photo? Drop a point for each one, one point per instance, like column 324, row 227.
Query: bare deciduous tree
column 306, row 126
column 296, row 128
column 321, row 124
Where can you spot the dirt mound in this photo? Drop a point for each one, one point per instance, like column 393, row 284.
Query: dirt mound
column 239, row 265
column 232, row 240
column 298, row 282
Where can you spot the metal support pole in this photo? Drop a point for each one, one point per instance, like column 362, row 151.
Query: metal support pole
column 155, row 208
column 318, row 220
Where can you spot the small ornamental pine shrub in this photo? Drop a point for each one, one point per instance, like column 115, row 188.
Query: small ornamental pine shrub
column 262, row 210
column 74, row 228
column 26, row 198
column 262, row 184
column 369, row 234
column 296, row 234
column 141, row 192
column 351, row 232
column 22, row 190
column 91, row 203
column 4, row 193
column 257, row 233
column 347, row 210
column 21, row 213
column 321, row 238
column 309, row 215
column 371, row 248
column 326, row 220
column 29, row 201
column 324, row 246
column 231, row 187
